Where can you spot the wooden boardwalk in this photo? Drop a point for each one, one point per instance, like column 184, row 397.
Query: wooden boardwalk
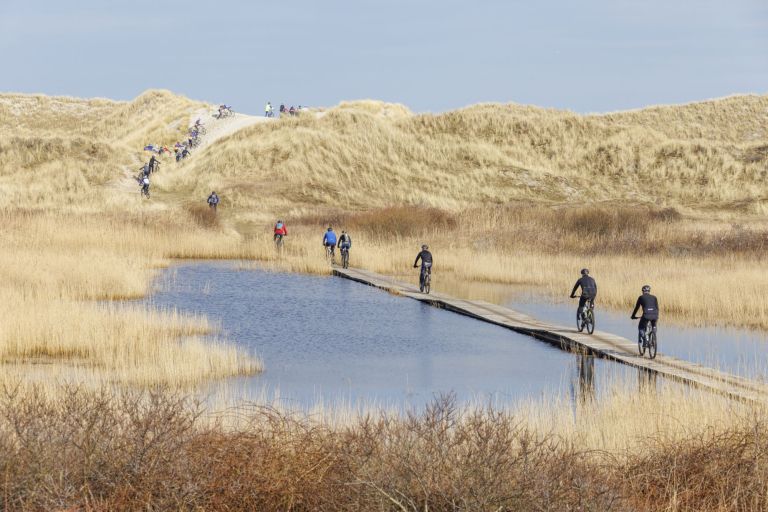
column 601, row 344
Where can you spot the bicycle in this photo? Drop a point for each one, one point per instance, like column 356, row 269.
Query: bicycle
column 330, row 254
column 145, row 191
column 344, row 256
column 586, row 317
column 646, row 339
column 279, row 243
column 425, row 278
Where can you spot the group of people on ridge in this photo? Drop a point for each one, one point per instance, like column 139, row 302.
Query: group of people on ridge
column 269, row 110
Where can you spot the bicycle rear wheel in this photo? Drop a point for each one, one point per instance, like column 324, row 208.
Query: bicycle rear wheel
column 579, row 320
column 345, row 259
column 652, row 345
column 427, row 283
column 640, row 344
column 590, row 321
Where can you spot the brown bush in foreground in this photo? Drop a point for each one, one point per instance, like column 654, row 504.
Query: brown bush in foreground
column 153, row 451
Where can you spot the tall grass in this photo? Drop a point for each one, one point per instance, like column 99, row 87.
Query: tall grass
column 155, row 450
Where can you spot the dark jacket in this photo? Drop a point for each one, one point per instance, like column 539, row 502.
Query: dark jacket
column 425, row 257
column 650, row 306
column 213, row 199
column 588, row 287
column 345, row 239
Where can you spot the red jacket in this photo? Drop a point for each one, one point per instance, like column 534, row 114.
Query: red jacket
column 281, row 230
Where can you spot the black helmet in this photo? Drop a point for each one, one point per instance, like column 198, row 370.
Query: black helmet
column 424, row 247
column 646, row 288
column 330, row 228
column 585, row 271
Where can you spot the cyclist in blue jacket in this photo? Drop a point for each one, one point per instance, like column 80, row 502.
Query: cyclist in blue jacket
column 329, row 240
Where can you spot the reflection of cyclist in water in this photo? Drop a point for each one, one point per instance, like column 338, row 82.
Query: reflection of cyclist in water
column 650, row 306
column 426, row 263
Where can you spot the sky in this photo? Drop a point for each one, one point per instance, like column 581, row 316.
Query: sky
column 435, row 55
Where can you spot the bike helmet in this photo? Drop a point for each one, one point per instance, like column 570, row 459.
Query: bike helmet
column 424, row 247
column 279, row 221
column 330, row 228
column 585, row 271
column 646, row 288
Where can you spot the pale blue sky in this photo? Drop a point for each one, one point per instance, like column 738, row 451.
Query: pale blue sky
column 588, row 55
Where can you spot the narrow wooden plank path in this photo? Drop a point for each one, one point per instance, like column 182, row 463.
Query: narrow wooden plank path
column 600, row 343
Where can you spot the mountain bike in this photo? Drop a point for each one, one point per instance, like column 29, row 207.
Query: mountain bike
column 344, row 256
column 425, row 278
column 330, row 254
column 586, row 317
column 646, row 339
column 279, row 243
column 145, row 191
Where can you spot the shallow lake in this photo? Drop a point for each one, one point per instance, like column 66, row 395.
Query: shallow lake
column 331, row 340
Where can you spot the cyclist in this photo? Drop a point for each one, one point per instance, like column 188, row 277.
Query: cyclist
column 345, row 241
column 329, row 240
column 213, row 200
column 153, row 164
column 650, row 306
column 588, row 289
column 281, row 230
column 426, row 263
column 145, row 185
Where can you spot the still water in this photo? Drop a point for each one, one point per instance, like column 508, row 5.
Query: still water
column 331, row 340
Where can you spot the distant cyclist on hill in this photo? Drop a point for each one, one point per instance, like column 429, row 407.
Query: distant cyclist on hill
column 588, row 289
column 329, row 241
column 145, row 185
column 650, row 305
column 426, row 263
column 213, row 200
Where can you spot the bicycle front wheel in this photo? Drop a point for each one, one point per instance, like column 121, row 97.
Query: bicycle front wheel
column 652, row 345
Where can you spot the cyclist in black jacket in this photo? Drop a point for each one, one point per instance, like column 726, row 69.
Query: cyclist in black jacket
column 426, row 263
column 588, row 289
column 650, row 306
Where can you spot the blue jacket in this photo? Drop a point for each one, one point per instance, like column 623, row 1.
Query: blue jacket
column 329, row 238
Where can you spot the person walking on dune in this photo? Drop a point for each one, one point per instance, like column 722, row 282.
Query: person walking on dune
column 268, row 110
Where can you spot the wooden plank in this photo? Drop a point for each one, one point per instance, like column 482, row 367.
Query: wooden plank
column 602, row 344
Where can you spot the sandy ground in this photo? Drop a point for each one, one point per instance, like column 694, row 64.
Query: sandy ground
column 217, row 129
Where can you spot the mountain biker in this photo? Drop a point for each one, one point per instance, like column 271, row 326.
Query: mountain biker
column 213, row 200
column 145, row 185
column 345, row 241
column 329, row 240
column 588, row 289
column 650, row 306
column 280, row 230
column 152, row 164
column 426, row 263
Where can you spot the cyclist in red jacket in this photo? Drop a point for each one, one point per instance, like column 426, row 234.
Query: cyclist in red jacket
column 280, row 230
